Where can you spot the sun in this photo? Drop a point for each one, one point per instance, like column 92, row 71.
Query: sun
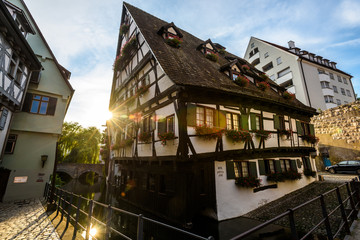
column 108, row 115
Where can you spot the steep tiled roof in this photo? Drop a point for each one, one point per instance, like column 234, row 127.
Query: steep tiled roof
column 188, row 66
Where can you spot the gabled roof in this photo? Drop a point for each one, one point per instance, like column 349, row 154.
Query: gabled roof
column 301, row 57
column 188, row 66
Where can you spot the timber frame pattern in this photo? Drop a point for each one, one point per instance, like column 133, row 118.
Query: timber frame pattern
column 171, row 85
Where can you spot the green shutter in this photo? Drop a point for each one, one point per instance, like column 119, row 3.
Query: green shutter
column 312, row 130
column 245, row 122
column 230, row 172
column 252, row 169
column 253, row 121
column 293, row 165
column 277, row 166
column 191, row 115
column 276, row 122
column 262, row 169
column 220, row 119
column 162, row 126
column 299, row 128
column 308, row 163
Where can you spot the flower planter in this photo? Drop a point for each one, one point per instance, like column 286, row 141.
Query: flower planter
column 173, row 42
column 262, row 134
column 212, row 57
column 124, row 29
column 288, row 96
column 142, row 90
column 249, row 182
column 285, row 133
column 242, row 81
column 208, row 133
column 238, row 135
column 264, row 77
column 145, row 137
column 166, row 136
column 263, row 86
column 310, row 138
column 280, row 177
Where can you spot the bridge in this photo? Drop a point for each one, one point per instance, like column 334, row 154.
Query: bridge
column 75, row 170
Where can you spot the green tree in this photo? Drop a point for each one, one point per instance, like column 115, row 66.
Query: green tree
column 78, row 144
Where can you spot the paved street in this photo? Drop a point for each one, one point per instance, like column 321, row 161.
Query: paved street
column 25, row 220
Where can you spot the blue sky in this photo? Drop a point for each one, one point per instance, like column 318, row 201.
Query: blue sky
column 83, row 35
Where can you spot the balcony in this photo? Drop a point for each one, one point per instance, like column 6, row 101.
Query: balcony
column 328, row 91
column 330, row 105
column 323, row 77
column 255, row 57
column 284, row 78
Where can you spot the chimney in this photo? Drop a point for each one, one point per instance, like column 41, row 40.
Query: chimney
column 291, row 44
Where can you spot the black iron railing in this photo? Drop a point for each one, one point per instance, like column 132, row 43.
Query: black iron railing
column 79, row 211
column 343, row 213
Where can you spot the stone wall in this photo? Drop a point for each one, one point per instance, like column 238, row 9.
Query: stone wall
column 338, row 130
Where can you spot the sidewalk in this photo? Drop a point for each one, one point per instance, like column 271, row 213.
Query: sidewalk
column 25, row 220
column 355, row 230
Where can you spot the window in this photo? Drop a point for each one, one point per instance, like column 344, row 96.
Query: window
column 325, row 85
column 241, row 169
column 339, row 78
column 266, row 55
column 3, row 118
column 204, row 116
column 285, row 165
column 348, row 93
column 170, row 127
column 283, row 72
column 235, row 75
column 278, row 61
column 269, row 166
column 345, row 80
column 338, row 102
column 268, row 66
column 272, row 77
column 329, row 99
column 10, row 144
column 331, row 76
column 148, row 123
column 256, row 50
column 343, row 91
column 252, row 45
column 232, row 121
column 335, row 89
column 321, row 71
column 39, row 104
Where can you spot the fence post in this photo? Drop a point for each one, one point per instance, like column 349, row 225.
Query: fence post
column 326, row 218
column 68, row 212
column 354, row 212
column 292, row 225
column 342, row 209
column 77, row 216
column 108, row 221
column 140, row 229
column 89, row 219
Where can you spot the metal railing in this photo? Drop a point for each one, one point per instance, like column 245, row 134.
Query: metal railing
column 73, row 207
column 345, row 212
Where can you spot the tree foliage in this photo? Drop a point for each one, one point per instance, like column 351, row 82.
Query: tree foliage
column 78, row 144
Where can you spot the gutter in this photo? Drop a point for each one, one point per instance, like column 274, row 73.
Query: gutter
column 302, row 71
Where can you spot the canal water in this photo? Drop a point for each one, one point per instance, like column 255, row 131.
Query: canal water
column 96, row 189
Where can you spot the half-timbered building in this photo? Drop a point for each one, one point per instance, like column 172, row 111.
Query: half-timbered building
column 198, row 130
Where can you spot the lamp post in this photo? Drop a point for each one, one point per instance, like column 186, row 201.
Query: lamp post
column 43, row 159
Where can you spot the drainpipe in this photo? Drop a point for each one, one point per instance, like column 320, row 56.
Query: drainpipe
column 307, row 91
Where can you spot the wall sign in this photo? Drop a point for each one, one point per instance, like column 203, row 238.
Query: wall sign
column 22, row 179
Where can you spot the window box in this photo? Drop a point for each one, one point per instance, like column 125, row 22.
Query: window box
column 126, row 143
column 174, row 41
column 310, row 138
column 242, row 81
column 145, row 137
column 282, row 176
column 288, row 96
column 292, row 175
column 285, row 132
column 245, row 68
column 249, row 182
column 238, row 135
column 142, row 90
column 262, row 134
column 263, row 86
column 211, row 56
column 124, row 29
column 125, row 53
column 208, row 133
column 275, row 177
column 166, row 136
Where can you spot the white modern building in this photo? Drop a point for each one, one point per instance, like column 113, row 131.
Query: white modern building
column 316, row 81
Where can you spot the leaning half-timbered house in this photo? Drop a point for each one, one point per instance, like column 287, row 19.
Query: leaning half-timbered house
column 198, row 130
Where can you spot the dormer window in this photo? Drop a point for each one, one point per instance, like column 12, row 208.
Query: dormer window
column 209, row 50
column 20, row 19
column 171, row 34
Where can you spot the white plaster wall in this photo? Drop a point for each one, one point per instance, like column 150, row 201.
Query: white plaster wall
column 4, row 132
column 234, row 201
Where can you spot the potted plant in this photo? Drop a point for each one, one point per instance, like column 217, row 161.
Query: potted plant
column 166, row 136
column 213, row 57
column 208, row 133
column 242, row 81
column 145, row 137
column 263, row 86
column 124, row 28
column 238, row 135
column 288, row 96
column 249, row 182
column 262, row 134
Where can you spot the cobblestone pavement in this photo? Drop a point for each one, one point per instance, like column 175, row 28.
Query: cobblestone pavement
column 25, row 220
